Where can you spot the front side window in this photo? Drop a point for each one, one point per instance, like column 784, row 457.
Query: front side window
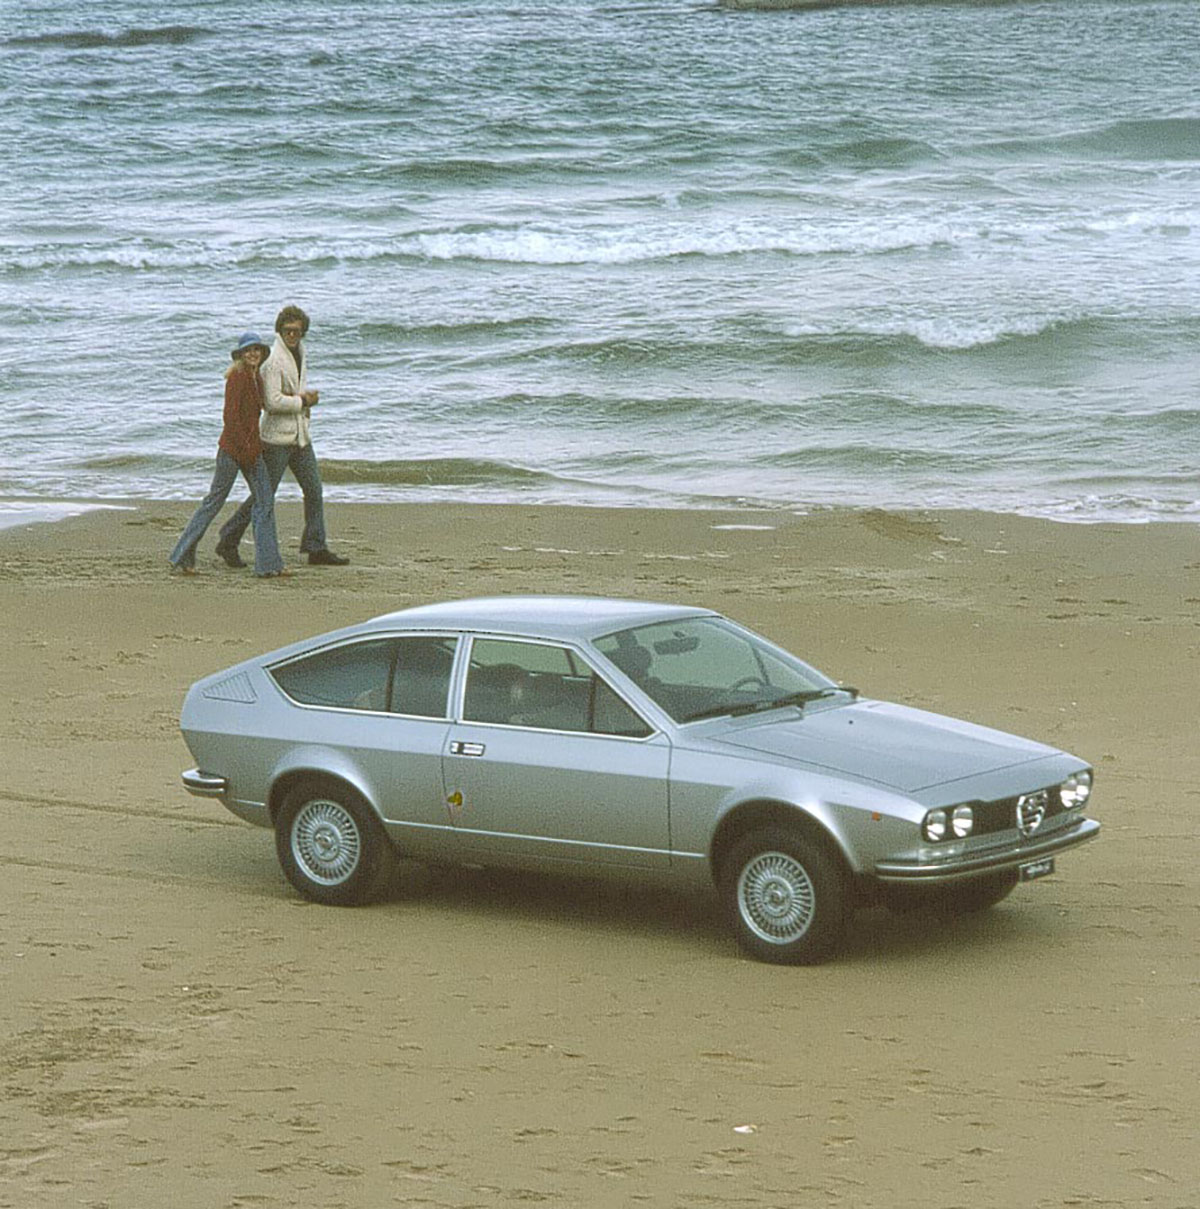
column 543, row 686
column 703, row 666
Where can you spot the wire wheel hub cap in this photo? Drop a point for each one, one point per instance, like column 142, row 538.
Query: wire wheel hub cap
column 776, row 898
column 326, row 842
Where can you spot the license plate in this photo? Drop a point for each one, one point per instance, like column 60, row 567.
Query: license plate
column 1035, row 869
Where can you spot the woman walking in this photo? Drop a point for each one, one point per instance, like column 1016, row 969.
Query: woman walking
column 240, row 448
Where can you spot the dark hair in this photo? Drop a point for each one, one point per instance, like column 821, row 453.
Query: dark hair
column 291, row 314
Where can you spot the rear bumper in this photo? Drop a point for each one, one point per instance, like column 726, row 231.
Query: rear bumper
column 204, row 785
column 971, row 864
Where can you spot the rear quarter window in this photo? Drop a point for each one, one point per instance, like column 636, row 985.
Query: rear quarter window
column 353, row 676
column 397, row 675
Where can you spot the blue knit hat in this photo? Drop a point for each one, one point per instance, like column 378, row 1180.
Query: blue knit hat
column 250, row 340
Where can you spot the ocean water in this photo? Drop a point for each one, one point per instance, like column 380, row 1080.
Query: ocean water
column 613, row 251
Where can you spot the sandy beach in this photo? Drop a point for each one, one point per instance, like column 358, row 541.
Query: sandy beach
column 179, row 1028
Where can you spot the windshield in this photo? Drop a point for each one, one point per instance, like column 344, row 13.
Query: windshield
column 704, row 666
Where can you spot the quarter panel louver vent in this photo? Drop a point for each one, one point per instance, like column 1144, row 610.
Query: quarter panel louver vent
column 234, row 688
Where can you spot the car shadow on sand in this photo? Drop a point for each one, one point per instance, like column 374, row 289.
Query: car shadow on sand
column 615, row 906
column 879, row 936
column 696, row 921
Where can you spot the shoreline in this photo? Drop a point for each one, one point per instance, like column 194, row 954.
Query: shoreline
column 604, row 1040
column 21, row 510
column 26, row 510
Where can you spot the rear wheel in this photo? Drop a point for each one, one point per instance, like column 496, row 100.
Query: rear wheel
column 331, row 845
column 786, row 898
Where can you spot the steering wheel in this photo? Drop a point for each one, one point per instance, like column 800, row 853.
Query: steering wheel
column 748, row 682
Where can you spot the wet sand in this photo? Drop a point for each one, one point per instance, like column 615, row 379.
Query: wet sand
column 178, row 1028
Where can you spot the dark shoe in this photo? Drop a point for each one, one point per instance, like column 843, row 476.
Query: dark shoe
column 326, row 558
column 230, row 555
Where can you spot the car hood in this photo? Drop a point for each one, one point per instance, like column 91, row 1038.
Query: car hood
column 893, row 745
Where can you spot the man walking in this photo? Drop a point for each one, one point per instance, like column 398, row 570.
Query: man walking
column 287, row 412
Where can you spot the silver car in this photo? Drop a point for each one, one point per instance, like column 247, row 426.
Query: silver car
column 592, row 736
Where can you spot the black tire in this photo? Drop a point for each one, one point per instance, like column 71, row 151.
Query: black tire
column 331, row 845
column 786, row 898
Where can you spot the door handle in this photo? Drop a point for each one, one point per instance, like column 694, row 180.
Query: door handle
column 459, row 748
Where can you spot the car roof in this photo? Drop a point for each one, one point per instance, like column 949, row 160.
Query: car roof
column 568, row 617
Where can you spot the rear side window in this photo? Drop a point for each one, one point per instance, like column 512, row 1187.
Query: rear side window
column 400, row 675
column 354, row 676
column 421, row 680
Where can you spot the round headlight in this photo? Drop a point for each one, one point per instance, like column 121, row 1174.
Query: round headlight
column 962, row 821
column 1075, row 790
column 935, row 826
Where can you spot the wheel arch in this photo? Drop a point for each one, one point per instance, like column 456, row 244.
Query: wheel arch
column 287, row 781
column 771, row 812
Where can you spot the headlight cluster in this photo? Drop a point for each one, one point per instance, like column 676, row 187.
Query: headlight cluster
column 1075, row 790
column 951, row 824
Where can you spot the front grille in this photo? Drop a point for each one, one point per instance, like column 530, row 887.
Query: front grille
column 1001, row 815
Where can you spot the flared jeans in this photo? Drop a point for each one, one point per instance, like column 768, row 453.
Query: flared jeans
column 302, row 462
column 267, row 559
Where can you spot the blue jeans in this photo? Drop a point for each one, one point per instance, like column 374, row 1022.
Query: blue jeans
column 303, row 463
column 267, row 559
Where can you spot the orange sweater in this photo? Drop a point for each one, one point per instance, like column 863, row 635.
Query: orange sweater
column 243, row 403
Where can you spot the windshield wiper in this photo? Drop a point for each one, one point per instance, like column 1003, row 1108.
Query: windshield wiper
column 803, row 697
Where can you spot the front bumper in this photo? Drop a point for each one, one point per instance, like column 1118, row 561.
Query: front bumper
column 204, row 784
column 971, row 864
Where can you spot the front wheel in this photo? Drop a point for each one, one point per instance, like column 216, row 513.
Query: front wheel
column 331, row 845
column 786, row 899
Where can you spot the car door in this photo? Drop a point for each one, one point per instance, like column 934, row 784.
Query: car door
column 375, row 713
column 547, row 762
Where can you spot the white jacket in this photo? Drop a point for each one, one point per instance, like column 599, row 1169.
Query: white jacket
column 285, row 419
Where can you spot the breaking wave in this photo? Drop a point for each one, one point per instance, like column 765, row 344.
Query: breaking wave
column 1171, row 139
column 94, row 39
column 432, row 472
